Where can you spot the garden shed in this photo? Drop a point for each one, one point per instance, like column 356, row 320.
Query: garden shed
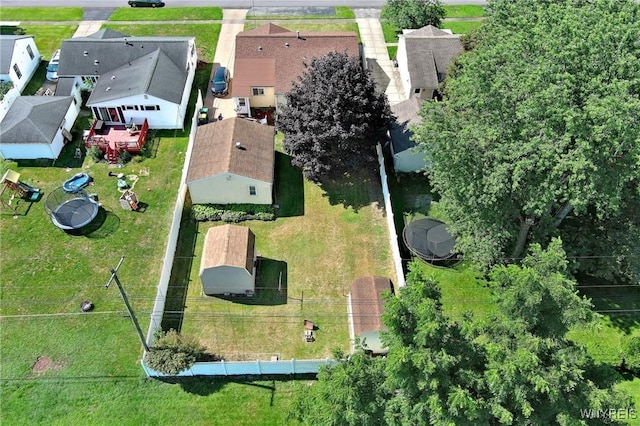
column 367, row 306
column 228, row 261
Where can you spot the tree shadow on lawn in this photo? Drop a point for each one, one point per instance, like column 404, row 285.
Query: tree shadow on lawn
column 181, row 270
column 271, row 285
column 289, row 187
column 207, row 385
column 607, row 299
column 356, row 190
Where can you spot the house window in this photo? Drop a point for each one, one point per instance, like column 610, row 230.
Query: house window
column 257, row 91
column 17, row 70
column 129, row 107
column 242, row 102
column 151, row 107
column 30, row 51
column 417, row 91
column 252, row 190
column 75, row 101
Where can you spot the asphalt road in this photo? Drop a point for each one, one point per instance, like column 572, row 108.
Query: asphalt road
column 231, row 4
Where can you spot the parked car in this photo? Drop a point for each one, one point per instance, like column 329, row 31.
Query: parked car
column 146, row 3
column 220, row 82
column 52, row 68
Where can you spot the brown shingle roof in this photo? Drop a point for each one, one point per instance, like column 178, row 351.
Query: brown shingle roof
column 367, row 304
column 215, row 151
column 228, row 245
column 288, row 51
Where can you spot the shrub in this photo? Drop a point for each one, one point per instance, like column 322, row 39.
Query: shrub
column 232, row 212
column 173, row 352
column 95, row 154
column 124, row 157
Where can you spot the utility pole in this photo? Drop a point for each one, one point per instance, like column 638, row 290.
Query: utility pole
column 114, row 277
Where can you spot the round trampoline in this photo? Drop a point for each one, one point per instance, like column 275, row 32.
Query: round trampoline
column 428, row 239
column 69, row 211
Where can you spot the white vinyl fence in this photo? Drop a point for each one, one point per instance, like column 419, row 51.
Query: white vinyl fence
column 242, row 368
column 393, row 236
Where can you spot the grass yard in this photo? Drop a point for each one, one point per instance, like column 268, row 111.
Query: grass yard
column 49, row 38
column 325, row 238
column 167, row 14
column 461, row 27
column 464, row 11
column 341, row 12
column 41, row 14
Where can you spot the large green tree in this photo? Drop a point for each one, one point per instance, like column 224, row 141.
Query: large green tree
column 413, row 13
column 515, row 366
column 333, row 117
column 540, row 122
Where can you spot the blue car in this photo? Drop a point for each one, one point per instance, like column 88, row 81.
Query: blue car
column 220, row 82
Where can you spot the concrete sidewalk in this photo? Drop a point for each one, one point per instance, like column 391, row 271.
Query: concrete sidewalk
column 376, row 55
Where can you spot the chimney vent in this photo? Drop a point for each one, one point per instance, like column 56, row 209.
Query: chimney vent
column 298, row 34
column 238, row 145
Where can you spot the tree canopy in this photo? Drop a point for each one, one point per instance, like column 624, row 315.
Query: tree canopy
column 515, row 366
column 413, row 13
column 173, row 352
column 333, row 117
column 540, row 122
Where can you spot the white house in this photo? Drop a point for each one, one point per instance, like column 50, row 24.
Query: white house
column 19, row 59
column 232, row 162
column 133, row 78
column 406, row 157
column 228, row 261
column 38, row 126
column 424, row 56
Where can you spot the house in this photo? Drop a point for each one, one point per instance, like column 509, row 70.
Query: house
column 132, row 78
column 228, row 261
column 424, row 56
column 406, row 158
column 232, row 162
column 269, row 58
column 38, row 126
column 19, row 60
column 367, row 306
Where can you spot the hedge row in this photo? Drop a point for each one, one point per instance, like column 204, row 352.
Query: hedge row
column 232, row 212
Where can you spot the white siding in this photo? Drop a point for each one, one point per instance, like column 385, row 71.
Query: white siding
column 229, row 188
column 26, row 65
column 226, row 279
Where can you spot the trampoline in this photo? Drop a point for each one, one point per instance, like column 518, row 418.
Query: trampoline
column 70, row 211
column 428, row 239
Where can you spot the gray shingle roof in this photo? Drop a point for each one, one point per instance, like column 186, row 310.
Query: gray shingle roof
column 7, row 42
column 97, row 56
column 430, row 51
column 155, row 75
column 34, row 119
column 406, row 113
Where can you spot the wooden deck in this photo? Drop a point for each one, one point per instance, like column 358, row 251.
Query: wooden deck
column 113, row 139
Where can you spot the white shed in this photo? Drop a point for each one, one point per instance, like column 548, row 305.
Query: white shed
column 228, row 261
column 232, row 162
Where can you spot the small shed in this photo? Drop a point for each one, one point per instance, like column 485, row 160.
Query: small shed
column 367, row 306
column 228, row 261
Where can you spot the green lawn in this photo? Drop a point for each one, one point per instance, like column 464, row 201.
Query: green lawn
column 41, row 14
column 461, row 27
column 464, row 11
column 390, row 32
column 49, row 38
column 341, row 12
column 167, row 14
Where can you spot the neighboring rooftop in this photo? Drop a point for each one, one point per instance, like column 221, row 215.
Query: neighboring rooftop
column 367, row 304
column 228, row 245
column 34, row 119
column 407, row 115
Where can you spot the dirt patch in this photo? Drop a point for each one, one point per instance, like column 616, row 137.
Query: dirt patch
column 44, row 363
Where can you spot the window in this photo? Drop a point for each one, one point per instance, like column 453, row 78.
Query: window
column 258, row 91
column 130, row 107
column 30, row 51
column 242, row 102
column 416, row 91
column 150, row 107
column 252, row 190
column 17, row 70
